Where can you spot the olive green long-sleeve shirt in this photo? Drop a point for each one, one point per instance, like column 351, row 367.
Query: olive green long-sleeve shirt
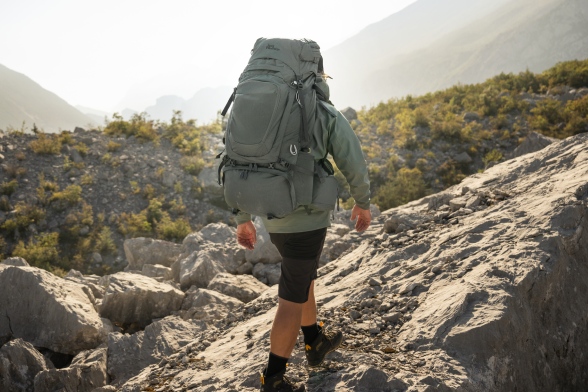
column 331, row 134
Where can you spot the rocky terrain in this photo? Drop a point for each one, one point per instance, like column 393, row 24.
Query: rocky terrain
column 117, row 176
column 477, row 288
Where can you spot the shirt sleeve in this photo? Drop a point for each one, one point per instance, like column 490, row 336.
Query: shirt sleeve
column 242, row 217
column 346, row 150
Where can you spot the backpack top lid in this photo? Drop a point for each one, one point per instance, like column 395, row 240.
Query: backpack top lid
column 302, row 56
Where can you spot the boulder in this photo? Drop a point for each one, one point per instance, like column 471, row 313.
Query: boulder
column 339, row 229
column 218, row 233
column 19, row 364
column 402, row 220
column 463, row 158
column 533, row 142
column 349, row 113
column 129, row 354
column 15, row 261
column 243, row 287
column 208, row 305
column 86, row 373
column 89, row 284
column 337, row 248
column 471, row 116
column 230, row 256
column 268, row 273
column 157, row 271
column 141, row 251
column 136, row 299
column 48, row 311
column 458, row 202
column 264, row 251
column 199, row 269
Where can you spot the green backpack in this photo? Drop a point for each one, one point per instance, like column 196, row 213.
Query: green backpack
column 268, row 169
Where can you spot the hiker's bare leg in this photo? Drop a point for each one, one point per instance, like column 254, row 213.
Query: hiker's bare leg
column 285, row 328
column 309, row 308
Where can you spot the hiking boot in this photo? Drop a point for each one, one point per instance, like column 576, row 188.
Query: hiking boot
column 324, row 343
column 279, row 383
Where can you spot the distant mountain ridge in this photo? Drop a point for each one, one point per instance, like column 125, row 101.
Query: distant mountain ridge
column 471, row 42
column 22, row 99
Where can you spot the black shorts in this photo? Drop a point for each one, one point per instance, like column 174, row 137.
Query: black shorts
column 300, row 259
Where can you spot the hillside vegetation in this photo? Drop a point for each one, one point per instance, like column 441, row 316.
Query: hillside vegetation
column 420, row 145
column 69, row 200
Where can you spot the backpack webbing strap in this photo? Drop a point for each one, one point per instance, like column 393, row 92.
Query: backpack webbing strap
column 304, row 136
column 228, row 105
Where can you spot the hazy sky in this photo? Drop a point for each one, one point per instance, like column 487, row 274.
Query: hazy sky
column 93, row 53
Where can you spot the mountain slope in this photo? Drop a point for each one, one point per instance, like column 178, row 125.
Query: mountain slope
column 21, row 99
column 509, row 38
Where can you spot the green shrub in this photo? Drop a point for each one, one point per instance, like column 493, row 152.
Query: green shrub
column 135, row 225
column 24, row 215
column 41, row 251
column 137, row 126
column 82, row 149
column 170, row 230
column 5, row 204
column 492, row 156
column 72, row 195
column 104, row 241
column 407, row 185
column 87, row 179
column 135, row 188
column 192, row 165
column 113, row 146
column 76, row 219
column 66, row 137
column 14, row 171
column 46, row 144
column 8, row 188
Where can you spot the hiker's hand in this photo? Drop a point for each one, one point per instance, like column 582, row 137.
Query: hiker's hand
column 246, row 235
column 364, row 218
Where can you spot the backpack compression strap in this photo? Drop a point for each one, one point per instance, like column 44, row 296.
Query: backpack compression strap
column 228, row 105
column 304, row 136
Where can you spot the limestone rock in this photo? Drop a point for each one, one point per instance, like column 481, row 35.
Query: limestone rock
column 89, row 284
column 208, row 305
column 19, row 364
column 457, row 203
column 403, row 220
column 243, row 287
column 86, row 373
column 471, row 116
column 339, row 229
column 268, row 273
column 15, row 261
column 48, row 311
column 157, row 271
column 141, row 251
column 463, row 158
column 533, row 142
column 218, row 233
column 129, row 354
column 349, row 113
column 337, row 248
column 199, row 269
column 133, row 298
column 264, row 251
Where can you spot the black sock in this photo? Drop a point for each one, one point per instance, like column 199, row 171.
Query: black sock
column 275, row 364
column 310, row 332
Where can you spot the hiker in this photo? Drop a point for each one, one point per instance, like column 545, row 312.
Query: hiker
column 298, row 234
